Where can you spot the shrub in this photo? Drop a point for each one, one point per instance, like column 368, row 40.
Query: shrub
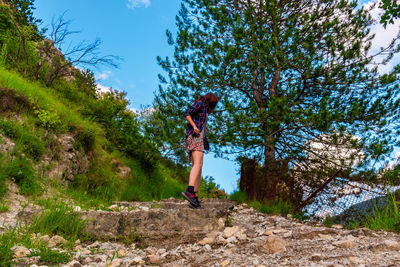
column 20, row 171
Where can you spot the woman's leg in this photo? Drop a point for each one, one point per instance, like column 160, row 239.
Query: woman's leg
column 195, row 173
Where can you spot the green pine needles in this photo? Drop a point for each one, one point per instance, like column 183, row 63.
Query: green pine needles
column 293, row 77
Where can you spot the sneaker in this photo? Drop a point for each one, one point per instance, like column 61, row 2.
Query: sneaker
column 198, row 201
column 198, row 206
column 190, row 197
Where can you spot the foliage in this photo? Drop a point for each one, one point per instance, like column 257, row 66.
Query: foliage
column 272, row 207
column 386, row 218
column 26, row 140
column 238, row 196
column 288, row 73
column 392, row 11
column 21, row 172
column 4, row 206
column 59, row 219
column 209, row 189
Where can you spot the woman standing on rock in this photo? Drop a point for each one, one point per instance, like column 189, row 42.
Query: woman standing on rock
column 196, row 142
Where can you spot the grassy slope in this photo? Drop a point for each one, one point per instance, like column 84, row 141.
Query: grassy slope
column 101, row 184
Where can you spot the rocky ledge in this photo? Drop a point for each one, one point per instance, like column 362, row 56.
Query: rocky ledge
column 221, row 236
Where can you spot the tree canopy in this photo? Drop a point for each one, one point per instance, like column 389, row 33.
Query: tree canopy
column 288, row 73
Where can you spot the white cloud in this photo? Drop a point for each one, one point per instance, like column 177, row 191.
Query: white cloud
column 103, row 75
column 132, row 4
column 382, row 36
column 102, row 89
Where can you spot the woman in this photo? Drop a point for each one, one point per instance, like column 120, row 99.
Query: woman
column 196, row 142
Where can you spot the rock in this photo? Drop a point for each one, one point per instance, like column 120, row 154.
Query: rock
column 337, row 226
column 391, row 244
column 347, row 243
column 56, row 240
column 115, row 263
column 207, row 240
column 355, row 260
column 220, row 240
column 274, row 244
column 154, row 259
column 230, row 231
column 386, row 245
column 122, row 253
column 225, row 263
column 242, row 236
column 113, row 207
column 207, row 247
column 74, row 264
column 231, row 239
column 221, row 223
column 77, row 208
column 44, row 238
column 316, row 257
column 138, row 260
column 20, row 251
column 268, row 232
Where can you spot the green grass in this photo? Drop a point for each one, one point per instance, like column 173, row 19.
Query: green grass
column 21, row 172
column 4, row 206
column 386, row 218
column 238, row 196
column 22, row 236
column 59, row 219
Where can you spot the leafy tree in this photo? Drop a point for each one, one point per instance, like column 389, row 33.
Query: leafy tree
column 288, row 73
column 392, row 11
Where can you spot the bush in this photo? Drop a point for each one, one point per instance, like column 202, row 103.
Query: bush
column 20, row 171
column 238, row 196
column 28, row 142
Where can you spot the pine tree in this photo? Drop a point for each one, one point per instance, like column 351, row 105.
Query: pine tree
column 289, row 73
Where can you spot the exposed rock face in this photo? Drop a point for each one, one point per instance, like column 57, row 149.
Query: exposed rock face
column 6, row 145
column 69, row 163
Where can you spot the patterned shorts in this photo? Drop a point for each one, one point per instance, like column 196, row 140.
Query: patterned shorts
column 194, row 143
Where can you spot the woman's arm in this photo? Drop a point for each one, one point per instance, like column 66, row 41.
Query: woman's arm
column 190, row 120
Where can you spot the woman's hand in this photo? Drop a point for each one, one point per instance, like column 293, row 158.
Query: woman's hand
column 196, row 130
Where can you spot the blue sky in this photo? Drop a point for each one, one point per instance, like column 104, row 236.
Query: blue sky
column 134, row 30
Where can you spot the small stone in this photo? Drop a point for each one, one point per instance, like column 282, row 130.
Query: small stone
column 230, row 231
column 77, row 209
column 77, row 242
column 220, row 240
column 322, row 236
column 316, row 257
column 207, row 247
column 74, row 263
column 268, row 233
column 391, row 244
column 289, row 215
column 225, row 263
column 337, row 226
column 138, row 260
column 150, row 250
column 144, row 208
column 85, row 252
column 231, row 239
column 207, row 240
column 242, row 236
column 154, row 259
column 221, row 223
column 274, row 244
column 348, row 243
column 288, row 234
column 122, row 253
column 44, row 238
column 113, row 207
column 115, row 263
column 20, row 251
column 355, row 261
column 57, row 240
